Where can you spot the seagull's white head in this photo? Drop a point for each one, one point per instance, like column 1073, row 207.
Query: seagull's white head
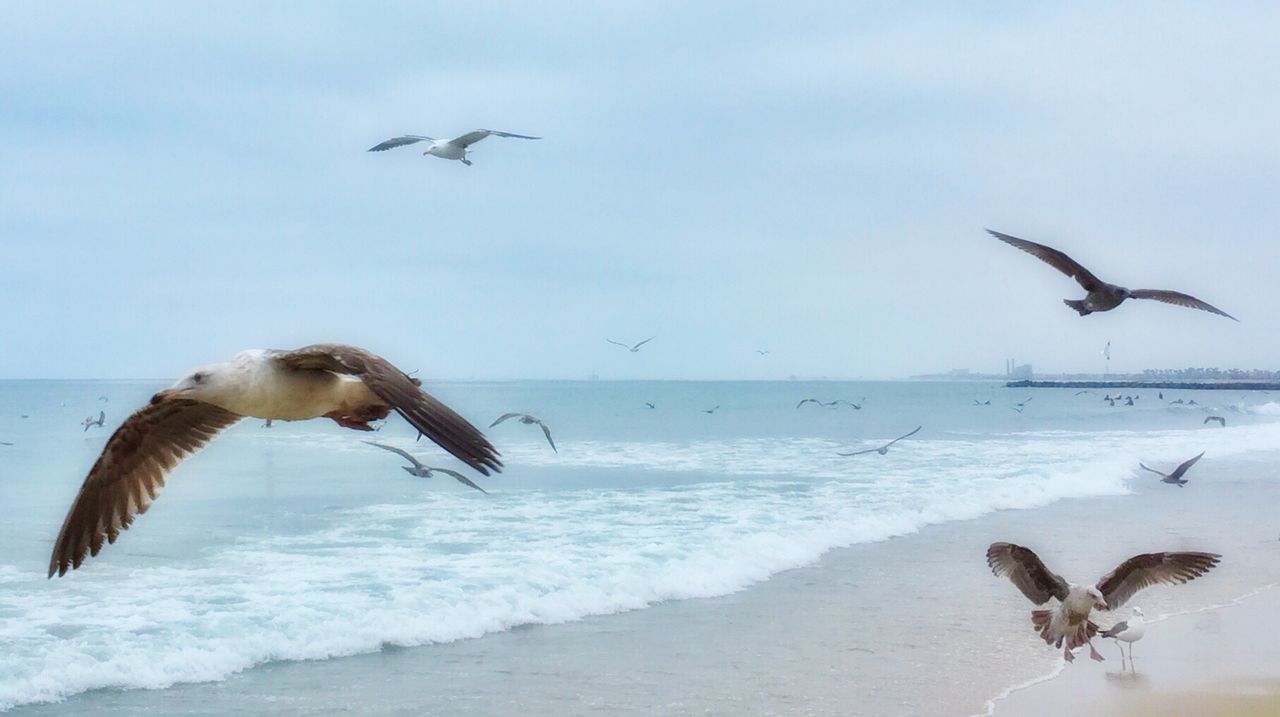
column 1099, row 602
column 203, row 384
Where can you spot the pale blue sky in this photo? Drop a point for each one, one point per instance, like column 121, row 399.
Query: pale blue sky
column 179, row 182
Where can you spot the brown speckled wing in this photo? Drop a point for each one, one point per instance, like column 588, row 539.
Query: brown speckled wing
column 1054, row 258
column 1178, row 298
column 1025, row 569
column 1149, row 569
column 131, row 471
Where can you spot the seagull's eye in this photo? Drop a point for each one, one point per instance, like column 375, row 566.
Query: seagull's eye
column 197, row 377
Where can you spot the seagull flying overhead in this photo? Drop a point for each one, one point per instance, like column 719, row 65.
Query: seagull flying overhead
column 885, row 448
column 424, row 471
column 455, row 148
column 528, row 420
column 1175, row 477
column 90, row 421
column 634, row 348
column 1100, row 295
column 349, row 385
column 1069, row 622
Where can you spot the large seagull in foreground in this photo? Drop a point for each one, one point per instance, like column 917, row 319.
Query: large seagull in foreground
column 1069, row 621
column 1101, row 296
column 455, row 148
column 349, row 385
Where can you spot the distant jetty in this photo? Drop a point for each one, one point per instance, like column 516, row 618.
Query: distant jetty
column 1186, row 385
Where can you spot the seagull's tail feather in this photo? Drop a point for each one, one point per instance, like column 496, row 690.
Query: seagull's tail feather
column 1078, row 305
column 1042, row 621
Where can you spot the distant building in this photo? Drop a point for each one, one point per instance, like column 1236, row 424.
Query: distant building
column 1015, row 371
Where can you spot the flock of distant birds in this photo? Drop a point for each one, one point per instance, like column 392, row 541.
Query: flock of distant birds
column 355, row 388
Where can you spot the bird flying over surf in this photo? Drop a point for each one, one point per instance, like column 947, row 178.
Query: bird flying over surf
column 422, row 470
column 713, row 409
column 634, row 348
column 1069, row 622
column 90, row 421
column 1221, row 421
column 885, row 448
column 346, row 384
column 528, row 420
column 456, row 148
column 1100, row 295
column 1175, row 478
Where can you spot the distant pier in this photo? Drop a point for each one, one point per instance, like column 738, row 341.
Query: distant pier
column 1185, row 385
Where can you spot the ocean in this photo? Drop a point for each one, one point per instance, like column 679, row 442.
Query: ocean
column 666, row 560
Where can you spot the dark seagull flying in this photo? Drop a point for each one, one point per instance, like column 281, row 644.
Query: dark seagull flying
column 1069, row 622
column 885, row 448
column 528, row 420
column 455, row 148
column 1100, row 295
column 1175, row 478
column 425, row 471
column 634, row 348
column 1221, row 421
column 346, row 384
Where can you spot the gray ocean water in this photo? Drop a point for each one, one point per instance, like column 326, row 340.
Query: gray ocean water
column 300, row 543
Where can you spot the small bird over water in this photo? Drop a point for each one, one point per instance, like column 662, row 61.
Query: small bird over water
column 1070, row 621
column 634, row 348
column 1129, row 631
column 713, row 409
column 424, row 471
column 90, row 421
column 882, row 450
column 346, row 384
column 1221, row 421
column 455, row 148
column 528, row 420
column 1175, row 478
column 1100, row 295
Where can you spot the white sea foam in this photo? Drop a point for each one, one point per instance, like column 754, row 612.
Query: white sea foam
column 450, row 567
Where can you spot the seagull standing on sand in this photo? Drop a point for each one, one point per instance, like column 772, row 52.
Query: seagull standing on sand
column 632, row 349
column 425, row 471
column 528, row 420
column 1175, row 477
column 455, row 148
column 885, row 448
column 1221, row 421
column 1129, row 631
column 346, row 384
column 1069, row 622
column 1102, row 296
column 90, row 421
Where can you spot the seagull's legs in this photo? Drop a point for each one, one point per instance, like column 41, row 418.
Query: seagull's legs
column 359, row 419
column 1066, row 655
column 466, row 161
column 1094, row 654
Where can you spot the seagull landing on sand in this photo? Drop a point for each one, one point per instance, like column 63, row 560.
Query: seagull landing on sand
column 1070, row 621
column 1102, row 296
column 885, row 448
column 425, row 471
column 1129, row 631
column 1175, row 478
column 634, row 348
column 1221, row 421
column 528, row 420
column 90, row 421
column 455, row 148
column 349, row 385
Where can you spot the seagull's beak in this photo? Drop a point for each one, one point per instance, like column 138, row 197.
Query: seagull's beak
column 164, row 395
column 1102, row 605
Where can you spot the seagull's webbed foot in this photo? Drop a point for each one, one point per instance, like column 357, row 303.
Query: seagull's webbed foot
column 467, row 162
column 1066, row 655
column 1094, row 655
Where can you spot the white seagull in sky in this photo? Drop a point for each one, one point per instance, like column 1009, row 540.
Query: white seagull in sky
column 1070, row 621
column 455, row 148
column 349, row 385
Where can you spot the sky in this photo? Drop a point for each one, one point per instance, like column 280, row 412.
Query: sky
column 181, row 181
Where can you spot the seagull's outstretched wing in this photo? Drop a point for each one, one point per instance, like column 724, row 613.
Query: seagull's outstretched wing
column 642, row 343
column 471, row 138
column 618, row 343
column 504, row 417
column 1054, row 258
column 460, row 478
column 1149, row 569
column 432, row 418
column 1178, row 298
column 1025, row 569
column 403, row 453
column 858, row 453
column 1221, row 421
column 131, row 471
column 1180, row 470
column 1153, row 470
column 808, row 400
column 547, row 432
column 399, row 142
column 908, row 435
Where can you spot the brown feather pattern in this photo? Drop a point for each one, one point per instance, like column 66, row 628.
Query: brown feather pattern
column 130, row 473
column 432, row 418
column 1025, row 569
column 1149, row 569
